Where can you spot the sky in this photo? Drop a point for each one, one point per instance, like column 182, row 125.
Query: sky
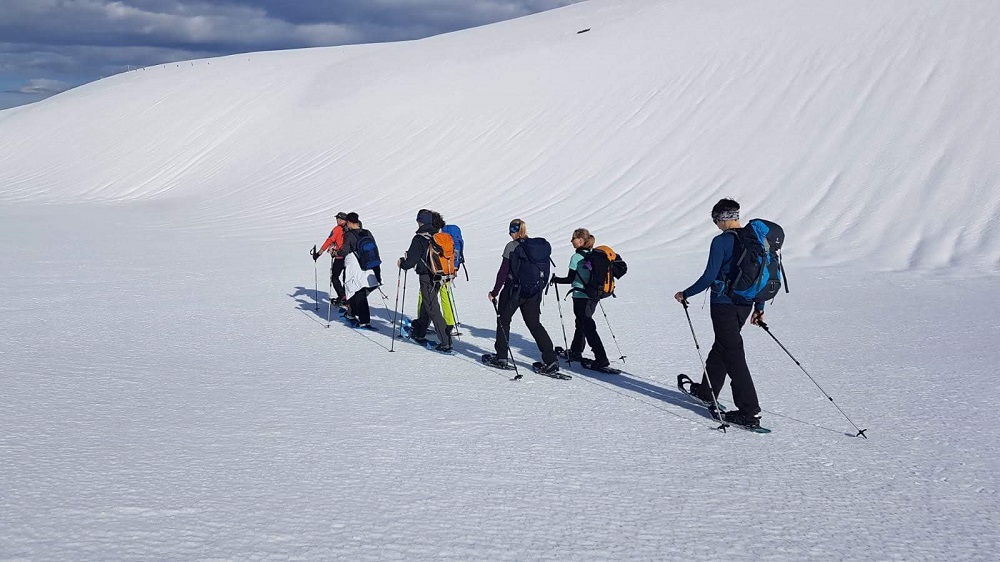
column 48, row 46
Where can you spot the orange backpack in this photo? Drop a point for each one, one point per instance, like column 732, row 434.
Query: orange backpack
column 441, row 255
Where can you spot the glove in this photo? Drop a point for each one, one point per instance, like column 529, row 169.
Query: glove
column 552, row 280
column 315, row 254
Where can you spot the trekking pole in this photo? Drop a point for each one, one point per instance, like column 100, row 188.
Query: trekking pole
column 394, row 309
column 329, row 306
column 704, row 369
column 621, row 355
column 562, row 324
column 315, row 276
column 861, row 432
column 506, row 339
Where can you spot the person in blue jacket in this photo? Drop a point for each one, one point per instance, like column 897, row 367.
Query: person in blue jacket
column 727, row 356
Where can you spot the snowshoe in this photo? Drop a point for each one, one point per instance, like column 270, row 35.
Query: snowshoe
column 693, row 389
column 438, row 347
column 491, row 360
column 602, row 367
column 549, row 370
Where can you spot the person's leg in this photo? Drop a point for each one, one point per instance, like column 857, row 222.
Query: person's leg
column 432, row 308
column 336, row 271
column 507, row 306
column 579, row 333
column 446, row 310
column 531, row 312
column 715, row 363
column 731, row 321
column 423, row 319
column 590, row 331
column 359, row 306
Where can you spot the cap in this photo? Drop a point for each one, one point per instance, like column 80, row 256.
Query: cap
column 342, row 215
column 352, row 217
column 425, row 216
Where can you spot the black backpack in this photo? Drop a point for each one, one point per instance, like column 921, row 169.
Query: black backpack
column 605, row 266
column 366, row 250
column 756, row 271
column 529, row 266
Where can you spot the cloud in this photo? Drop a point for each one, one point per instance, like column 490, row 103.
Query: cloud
column 43, row 86
column 76, row 41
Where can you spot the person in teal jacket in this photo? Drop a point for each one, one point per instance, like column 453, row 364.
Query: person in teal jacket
column 583, row 306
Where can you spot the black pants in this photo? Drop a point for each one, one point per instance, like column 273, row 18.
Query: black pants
column 359, row 306
column 430, row 311
column 531, row 312
column 586, row 329
column 336, row 270
column 727, row 357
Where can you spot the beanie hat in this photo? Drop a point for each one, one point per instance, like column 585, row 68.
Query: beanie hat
column 342, row 215
column 515, row 226
column 425, row 216
column 352, row 218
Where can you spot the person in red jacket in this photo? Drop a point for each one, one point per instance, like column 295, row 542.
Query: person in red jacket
column 334, row 243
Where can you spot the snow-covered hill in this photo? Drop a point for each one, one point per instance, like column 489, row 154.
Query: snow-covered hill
column 169, row 390
column 868, row 129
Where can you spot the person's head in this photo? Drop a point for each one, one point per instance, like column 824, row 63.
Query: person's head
column 437, row 221
column 726, row 214
column 341, row 218
column 353, row 221
column 518, row 229
column 582, row 239
column 425, row 217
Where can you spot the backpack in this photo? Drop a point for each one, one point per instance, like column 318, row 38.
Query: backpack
column 605, row 266
column 441, row 255
column 756, row 271
column 366, row 250
column 456, row 236
column 529, row 266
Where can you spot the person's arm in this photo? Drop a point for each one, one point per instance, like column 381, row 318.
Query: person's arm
column 329, row 241
column 501, row 277
column 716, row 255
column 570, row 276
column 412, row 256
column 338, row 239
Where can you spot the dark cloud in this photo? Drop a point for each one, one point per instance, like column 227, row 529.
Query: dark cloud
column 69, row 42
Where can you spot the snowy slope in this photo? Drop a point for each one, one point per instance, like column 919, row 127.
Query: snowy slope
column 170, row 390
column 867, row 127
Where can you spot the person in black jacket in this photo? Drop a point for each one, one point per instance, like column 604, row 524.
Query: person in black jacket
column 508, row 300
column 430, row 310
column 359, row 282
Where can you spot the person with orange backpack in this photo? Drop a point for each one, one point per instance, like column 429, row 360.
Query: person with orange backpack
column 584, row 306
column 424, row 255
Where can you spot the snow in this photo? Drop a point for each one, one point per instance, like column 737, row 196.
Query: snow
column 171, row 392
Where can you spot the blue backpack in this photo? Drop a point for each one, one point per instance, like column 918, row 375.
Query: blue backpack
column 529, row 267
column 456, row 235
column 367, row 250
column 756, row 271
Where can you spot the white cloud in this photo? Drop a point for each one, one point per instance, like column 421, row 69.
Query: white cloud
column 43, row 86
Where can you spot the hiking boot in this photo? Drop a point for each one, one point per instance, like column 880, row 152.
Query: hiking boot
column 573, row 356
column 745, row 419
column 598, row 364
column 546, row 368
column 493, row 361
column 420, row 340
column 701, row 392
column 442, row 348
